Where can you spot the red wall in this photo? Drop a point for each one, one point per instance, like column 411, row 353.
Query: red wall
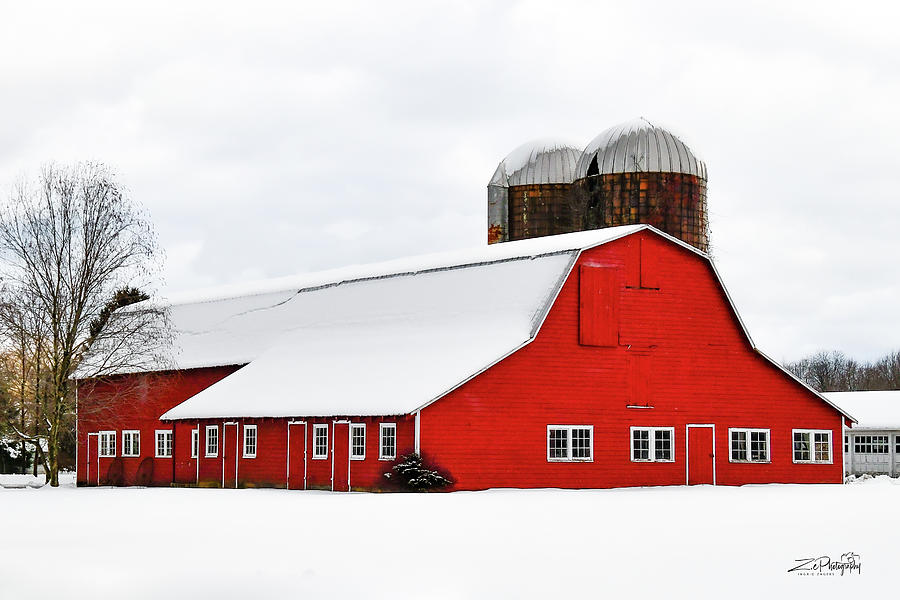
column 491, row 432
column 270, row 466
column 135, row 402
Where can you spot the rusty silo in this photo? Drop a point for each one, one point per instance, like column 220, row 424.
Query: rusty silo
column 531, row 191
column 638, row 172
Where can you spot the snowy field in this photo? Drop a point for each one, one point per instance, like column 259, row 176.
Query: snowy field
column 647, row 542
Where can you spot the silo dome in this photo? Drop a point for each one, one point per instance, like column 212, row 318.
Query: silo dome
column 537, row 162
column 638, row 146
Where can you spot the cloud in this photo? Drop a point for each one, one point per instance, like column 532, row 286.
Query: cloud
column 279, row 137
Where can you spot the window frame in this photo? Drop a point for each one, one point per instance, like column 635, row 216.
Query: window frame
column 195, row 443
column 363, row 455
column 652, row 443
column 811, row 440
column 381, row 437
column 317, row 427
column 749, row 459
column 870, row 441
column 136, row 435
column 215, row 453
column 569, row 429
column 108, row 435
column 171, row 445
column 244, row 453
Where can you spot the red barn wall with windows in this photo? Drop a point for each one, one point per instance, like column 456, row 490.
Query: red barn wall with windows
column 136, row 401
column 680, row 349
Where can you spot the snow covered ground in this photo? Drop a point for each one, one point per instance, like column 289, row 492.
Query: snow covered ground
column 646, row 542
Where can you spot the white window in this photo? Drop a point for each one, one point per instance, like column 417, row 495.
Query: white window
column 163, row 443
column 320, row 441
column 358, row 441
column 652, row 444
column 212, row 441
column 107, row 443
column 870, row 444
column 847, row 444
column 249, row 441
column 812, row 446
column 749, row 445
column 131, row 443
column 570, row 443
column 195, row 443
column 387, row 441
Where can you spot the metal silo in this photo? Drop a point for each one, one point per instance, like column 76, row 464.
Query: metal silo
column 637, row 172
column 530, row 192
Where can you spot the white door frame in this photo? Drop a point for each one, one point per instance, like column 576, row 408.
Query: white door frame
column 237, row 453
column 287, row 479
column 687, row 453
column 97, row 434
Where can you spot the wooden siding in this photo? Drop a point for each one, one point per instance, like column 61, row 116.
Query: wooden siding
column 681, row 341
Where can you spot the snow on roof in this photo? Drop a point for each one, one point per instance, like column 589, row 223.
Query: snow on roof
column 872, row 409
column 232, row 325
column 387, row 345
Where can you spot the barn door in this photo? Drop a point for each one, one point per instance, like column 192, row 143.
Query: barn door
column 230, row 449
column 92, row 460
column 340, row 455
column 296, row 467
column 701, row 454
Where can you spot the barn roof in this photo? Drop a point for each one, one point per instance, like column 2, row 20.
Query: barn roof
column 872, row 409
column 383, row 339
column 377, row 339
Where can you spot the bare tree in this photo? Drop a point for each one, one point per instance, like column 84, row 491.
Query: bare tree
column 68, row 243
column 831, row 371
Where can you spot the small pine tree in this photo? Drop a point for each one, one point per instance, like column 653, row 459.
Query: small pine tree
column 411, row 473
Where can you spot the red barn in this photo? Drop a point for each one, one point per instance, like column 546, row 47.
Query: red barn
column 602, row 358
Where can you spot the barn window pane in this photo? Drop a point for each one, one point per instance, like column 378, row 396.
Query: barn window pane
column 581, row 443
column 662, row 444
column 558, row 444
column 738, row 445
column 163, row 444
column 195, row 443
column 801, row 446
column 320, row 441
column 570, row 442
column 357, row 442
column 249, row 441
column 640, row 444
column 131, row 443
column 759, row 445
column 822, row 441
column 107, row 443
column 212, row 440
column 388, row 442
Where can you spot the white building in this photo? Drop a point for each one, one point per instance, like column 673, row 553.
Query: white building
column 873, row 444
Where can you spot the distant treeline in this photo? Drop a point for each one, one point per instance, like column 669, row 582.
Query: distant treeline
column 831, row 371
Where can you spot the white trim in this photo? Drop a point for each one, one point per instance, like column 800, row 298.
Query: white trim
column 381, row 428
column 195, row 442
column 206, row 452
column 568, row 429
column 244, row 453
column 418, row 434
column 317, row 427
column 88, row 457
column 171, row 443
column 358, row 426
column 687, row 450
column 125, row 434
column 100, row 453
column 287, row 478
column 812, row 447
column 748, row 431
column 652, row 444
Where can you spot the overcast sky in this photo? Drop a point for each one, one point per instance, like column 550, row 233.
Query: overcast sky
column 273, row 139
